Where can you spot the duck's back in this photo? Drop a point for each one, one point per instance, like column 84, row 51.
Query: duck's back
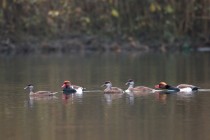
column 181, row 86
column 142, row 89
column 43, row 93
column 113, row 90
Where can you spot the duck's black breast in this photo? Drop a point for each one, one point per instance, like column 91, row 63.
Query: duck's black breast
column 195, row 88
column 175, row 89
column 68, row 91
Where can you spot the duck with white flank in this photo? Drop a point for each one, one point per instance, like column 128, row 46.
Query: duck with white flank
column 39, row 93
column 68, row 88
column 111, row 90
column 131, row 87
column 179, row 88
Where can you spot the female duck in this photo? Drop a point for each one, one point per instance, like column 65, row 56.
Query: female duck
column 111, row 90
column 179, row 88
column 131, row 87
column 39, row 93
column 69, row 88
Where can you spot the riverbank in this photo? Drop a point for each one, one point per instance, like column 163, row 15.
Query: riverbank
column 91, row 43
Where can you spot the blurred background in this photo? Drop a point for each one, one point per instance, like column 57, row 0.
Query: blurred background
column 66, row 25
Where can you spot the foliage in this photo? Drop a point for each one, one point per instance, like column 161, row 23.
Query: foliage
column 159, row 19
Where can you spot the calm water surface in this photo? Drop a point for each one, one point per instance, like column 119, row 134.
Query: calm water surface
column 94, row 115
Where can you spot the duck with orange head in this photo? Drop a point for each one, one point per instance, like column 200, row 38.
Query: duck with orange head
column 68, row 88
column 179, row 88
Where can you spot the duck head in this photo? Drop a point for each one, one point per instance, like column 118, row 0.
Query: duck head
column 108, row 84
column 130, row 82
column 30, row 87
column 66, row 84
column 161, row 85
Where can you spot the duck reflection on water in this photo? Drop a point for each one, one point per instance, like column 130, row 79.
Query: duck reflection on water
column 109, row 98
column 163, row 95
column 32, row 100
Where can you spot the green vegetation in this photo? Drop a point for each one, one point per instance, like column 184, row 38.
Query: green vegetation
column 157, row 20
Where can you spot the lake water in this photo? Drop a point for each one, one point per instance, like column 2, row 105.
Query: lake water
column 97, row 116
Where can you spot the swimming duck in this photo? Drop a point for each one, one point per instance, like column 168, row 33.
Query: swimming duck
column 111, row 90
column 131, row 87
column 179, row 88
column 69, row 88
column 39, row 93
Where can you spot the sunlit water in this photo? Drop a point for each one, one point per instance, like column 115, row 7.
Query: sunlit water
column 94, row 115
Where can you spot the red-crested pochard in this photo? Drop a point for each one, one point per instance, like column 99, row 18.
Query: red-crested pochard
column 131, row 87
column 39, row 93
column 179, row 88
column 111, row 90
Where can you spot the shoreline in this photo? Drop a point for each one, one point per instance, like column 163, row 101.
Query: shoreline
column 77, row 43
